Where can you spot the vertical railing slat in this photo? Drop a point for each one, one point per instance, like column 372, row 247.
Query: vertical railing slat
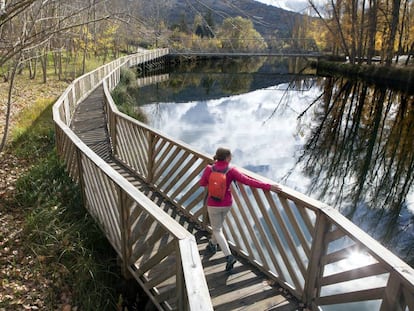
column 123, row 209
column 311, row 288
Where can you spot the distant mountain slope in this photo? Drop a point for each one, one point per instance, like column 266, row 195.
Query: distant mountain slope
column 267, row 19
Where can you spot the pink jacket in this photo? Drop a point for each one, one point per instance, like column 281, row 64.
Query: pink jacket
column 232, row 174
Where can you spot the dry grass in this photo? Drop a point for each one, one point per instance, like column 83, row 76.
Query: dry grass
column 26, row 93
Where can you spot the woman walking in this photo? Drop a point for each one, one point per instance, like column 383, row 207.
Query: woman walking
column 218, row 209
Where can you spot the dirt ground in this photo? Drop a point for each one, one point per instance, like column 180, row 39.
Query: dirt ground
column 22, row 286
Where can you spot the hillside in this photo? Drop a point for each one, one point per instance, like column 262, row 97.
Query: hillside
column 267, row 19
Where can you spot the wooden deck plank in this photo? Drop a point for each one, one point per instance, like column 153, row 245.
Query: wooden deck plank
column 89, row 124
column 245, row 288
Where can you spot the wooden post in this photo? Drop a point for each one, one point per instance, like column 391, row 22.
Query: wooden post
column 123, row 210
column 151, row 158
column 193, row 286
column 392, row 296
column 58, row 141
column 80, row 176
column 181, row 290
column 315, row 270
column 112, row 130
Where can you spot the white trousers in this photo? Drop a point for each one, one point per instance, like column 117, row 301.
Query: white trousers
column 217, row 216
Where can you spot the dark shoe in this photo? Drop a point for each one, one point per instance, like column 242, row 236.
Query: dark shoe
column 211, row 248
column 230, row 262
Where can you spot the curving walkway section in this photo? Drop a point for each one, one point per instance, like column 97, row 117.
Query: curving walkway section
column 244, row 289
column 141, row 186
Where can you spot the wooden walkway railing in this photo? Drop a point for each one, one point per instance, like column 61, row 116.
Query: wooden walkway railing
column 305, row 246
column 117, row 205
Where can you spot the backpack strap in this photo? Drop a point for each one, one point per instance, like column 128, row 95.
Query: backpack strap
column 222, row 171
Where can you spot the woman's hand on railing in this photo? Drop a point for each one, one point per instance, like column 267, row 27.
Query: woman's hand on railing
column 275, row 188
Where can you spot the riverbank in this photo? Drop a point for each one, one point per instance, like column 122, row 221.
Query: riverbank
column 397, row 77
column 53, row 255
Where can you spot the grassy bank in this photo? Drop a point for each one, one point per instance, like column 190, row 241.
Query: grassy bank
column 66, row 248
column 123, row 95
column 53, row 256
column 401, row 78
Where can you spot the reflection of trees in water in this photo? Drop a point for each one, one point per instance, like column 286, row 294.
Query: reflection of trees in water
column 212, row 78
column 360, row 154
column 207, row 79
column 232, row 75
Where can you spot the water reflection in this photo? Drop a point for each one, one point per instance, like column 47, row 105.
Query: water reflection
column 360, row 158
column 364, row 136
column 214, row 79
column 344, row 142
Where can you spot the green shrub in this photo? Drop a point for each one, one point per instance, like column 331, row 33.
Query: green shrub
column 128, row 76
column 69, row 246
column 123, row 98
column 395, row 77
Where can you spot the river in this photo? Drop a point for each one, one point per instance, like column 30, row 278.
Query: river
column 346, row 143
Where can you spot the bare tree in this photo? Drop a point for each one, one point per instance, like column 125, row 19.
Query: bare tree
column 2, row 7
column 365, row 28
column 335, row 29
column 372, row 28
column 9, row 104
column 28, row 28
column 395, row 16
column 402, row 31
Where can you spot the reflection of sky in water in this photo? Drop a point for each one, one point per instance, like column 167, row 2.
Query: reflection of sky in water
column 410, row 201
column 354, row 260
column 262, row 140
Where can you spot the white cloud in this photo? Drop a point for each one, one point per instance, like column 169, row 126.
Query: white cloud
column 295, row 5
column 301, row 6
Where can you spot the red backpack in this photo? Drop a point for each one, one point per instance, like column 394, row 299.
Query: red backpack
column 217, row 183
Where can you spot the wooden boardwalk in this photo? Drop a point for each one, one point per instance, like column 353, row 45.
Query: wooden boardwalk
column 245, row 288
column 156, row 227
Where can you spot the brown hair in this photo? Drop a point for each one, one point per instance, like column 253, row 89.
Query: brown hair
column 222, row 154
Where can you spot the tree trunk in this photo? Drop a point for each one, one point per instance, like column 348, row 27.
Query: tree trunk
column 361, row 52
column 31, row 69
column 60, row 65
column 336, row 10
column 354, row 31
column 9, row 105
column 400, row 39
column 393, row 31
column 372, row 29
column 43, row 61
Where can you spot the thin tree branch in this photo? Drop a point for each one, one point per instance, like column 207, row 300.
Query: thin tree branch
column 9, row 105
